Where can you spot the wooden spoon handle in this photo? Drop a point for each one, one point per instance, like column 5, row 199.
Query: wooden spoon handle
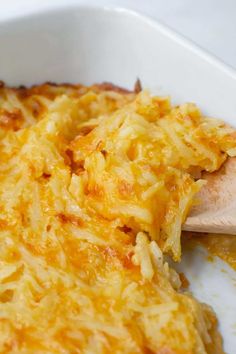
column 220, row 225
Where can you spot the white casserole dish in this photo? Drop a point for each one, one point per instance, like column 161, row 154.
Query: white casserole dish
column 87, row 45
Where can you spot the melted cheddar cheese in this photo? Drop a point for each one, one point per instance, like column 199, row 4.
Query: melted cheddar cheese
column 94, row 185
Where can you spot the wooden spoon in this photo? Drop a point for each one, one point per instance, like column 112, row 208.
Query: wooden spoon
column 217, row 211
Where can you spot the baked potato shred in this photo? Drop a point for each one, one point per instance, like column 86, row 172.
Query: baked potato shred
column 95, row 183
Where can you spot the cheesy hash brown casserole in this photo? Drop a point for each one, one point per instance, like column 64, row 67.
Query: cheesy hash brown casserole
column 95, row 183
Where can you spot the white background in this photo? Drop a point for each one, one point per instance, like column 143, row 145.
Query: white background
column 209, row 23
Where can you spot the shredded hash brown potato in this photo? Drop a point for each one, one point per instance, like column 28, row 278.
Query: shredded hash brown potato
column 95, row 183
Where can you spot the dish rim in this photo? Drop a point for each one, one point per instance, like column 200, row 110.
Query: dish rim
column 166, row 30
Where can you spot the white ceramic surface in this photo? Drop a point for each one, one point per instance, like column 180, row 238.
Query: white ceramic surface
column 90, row 45
column 209, row 23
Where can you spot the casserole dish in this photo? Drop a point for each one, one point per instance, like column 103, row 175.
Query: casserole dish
column 89, row 44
